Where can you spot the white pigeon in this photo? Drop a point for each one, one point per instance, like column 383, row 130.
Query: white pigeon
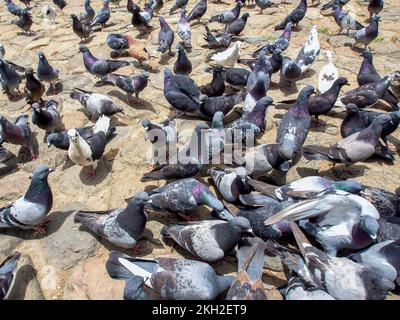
column 184, row 30
column 49, row 13
column 310, row 52
column 328, row 74
column 228, row 57
column 86, row 152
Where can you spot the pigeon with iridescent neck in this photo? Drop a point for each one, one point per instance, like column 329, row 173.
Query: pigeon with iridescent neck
column 46, row 72
column 295, row 16
column 228, row 16
column 281, row 43
column 87, row 16
column 165, row 36
column 184, row 30
column 375, row 7
column 198, row 11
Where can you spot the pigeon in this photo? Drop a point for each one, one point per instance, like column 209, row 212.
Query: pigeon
column 13, row 8
column 34, row 88
column 60, row 4
column 86, row 152
column 102, row 16
column 138, row 21
column 147, row 13
column 298, row 290
column 228, row 57
column 248, row 283
column 179, row 4
column 130, row 84
column 294, row 126
column 328, row 73
column 172, row 279
column 224, row 104
column 182, row 64
column 9, row 78
column 382, row 258
column 61, row 139
column 331, row 3
column 184, row 31
column 357, row 147
column 195, row 152
column 26, row 2
column 18, row 133
column 216, row 87
column 275, row 62
column 345, row 21
column 46, row 116
column 310, row 52
column 368, row 34
column 281, row 43
column 156, row 5
column 375, row 7
column 256, row 92
column 388, row 127
column 80, row 29
column 368, row 94
column 341, row 278
column 218, row 41
column 88, row 15
column 95, row 104
column 264, row 158
column 50, row 14
column 264, row 4
column 117, row 42
column 237, row 26
column 353, row 121
column 295, row 16
column 236, row 77
column 7, row 274
column 230, row 185
column 228, row 16
column 137, row 49
column 165, row 37
column 24, row 22
column 208, row 240
column 335, row 219
column 122, row 227
column 252, row 123
column 46, row 72
column 100, row 67
column 368, row 74
column 290, row 70
column 30, row 211
column 181, row 91
column 183, row 197
column 198, row 11
column 161, row 136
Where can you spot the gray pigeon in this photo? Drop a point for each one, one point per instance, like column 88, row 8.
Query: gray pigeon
column 281, row 43
column 344, row 20
column 228, row 16
column 230, row 184
column 217, row 85
column 290, row 71
column 46, row 72
column 264, row 4
column 248, row 284
column 295, row 16
column 237, row 26
column 130, row 84
column 165, row 36
column 173, row 279
column 80, row 29
column 182, row 64
column 183, row 197
column 298, row 290
column 24, row 22
column 198, row 11
column 95, row 104
column 46, row 117
column 7, row 274
column 208, row 240
column 30, row 211
column 122, row 227
column 294, row 126
column 102, row 16
column 177, row 5
column 100, row 67
column 9, row 78
column 88, row 15
column 18, row 133
column 224, row 104
column 368, row 34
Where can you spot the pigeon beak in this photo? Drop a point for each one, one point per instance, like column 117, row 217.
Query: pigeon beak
column 249, row 232
column 49, row 145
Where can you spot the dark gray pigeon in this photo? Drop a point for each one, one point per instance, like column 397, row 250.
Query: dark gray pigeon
column 122, row 227
column 138, row 21
column 46, row 117
column 102, row 16
column 298, row 290
column 95, row 104
column 88, row 15
column 117, row 42
column 13, row 8
column 290, row 70
column 165, row 36
column 34, row 88
column 341, row 278
column 294, row 126
column 100, row 67
column 7, row 274
column 173, row 279
column 218, row 41
column 208, row 240
column 130, row 84
column 248, row 283
column 46, row 72
column 257, row 86
column 182, row 64
column 24, row 22
column 281, row 43
column 18, row 133
column 353, row 121
column 9, row 79
column 368, row 34
column 230, row 184
column 228, row 16
column 217, row 85
column 198, row 11
column 30, row 211
column 295, row 16
column 183, row 197
column 345, row 21
column 179, row 4
column 237, row 26
column 331, row 3
column 224, row 104
column 80, row 29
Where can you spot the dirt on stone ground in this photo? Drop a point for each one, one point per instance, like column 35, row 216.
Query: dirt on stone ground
column 69, row 262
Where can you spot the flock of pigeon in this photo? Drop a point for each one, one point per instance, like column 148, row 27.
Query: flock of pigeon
column 352, row 248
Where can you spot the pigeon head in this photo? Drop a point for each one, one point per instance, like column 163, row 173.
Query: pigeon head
column 139, row 197
column 342, row 81
column 376, row 18
column 41, row 172
column 218, row 69
column 135, row 8
column 146, row 123
column 367, row 55
column 381, row 120
column 242, row 225
column 263, row 103
column 352, row 108
column 73, row 135
column 83, row 49
column 74, row 17
column 245, row 16
column 350, row 186
column 41, row 55
column 207, row 198
column 36, row 107
column 306, row 92
column 146, row 75
column 54, row 139
column 328, row 54
column 2, row 64
column 29, row 71
column 369, row 225
column 241, row 172
column 217, row 120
